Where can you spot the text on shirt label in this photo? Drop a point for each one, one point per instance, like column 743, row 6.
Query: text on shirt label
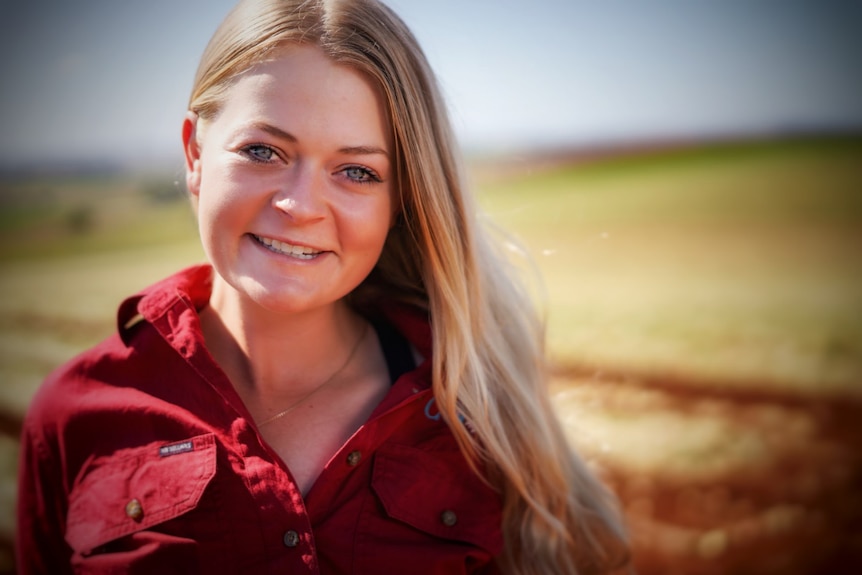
column 176, row 448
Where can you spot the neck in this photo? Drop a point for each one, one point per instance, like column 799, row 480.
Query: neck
column 272, row 354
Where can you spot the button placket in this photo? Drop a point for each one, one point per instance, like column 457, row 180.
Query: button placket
column 291, row 538
column 354, row 457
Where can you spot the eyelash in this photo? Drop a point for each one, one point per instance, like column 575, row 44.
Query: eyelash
column 248, row 153
column 371, row 176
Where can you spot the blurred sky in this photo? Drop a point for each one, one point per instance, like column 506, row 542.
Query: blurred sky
column 106, row 80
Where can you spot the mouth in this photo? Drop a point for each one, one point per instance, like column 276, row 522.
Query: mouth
column 299, row 252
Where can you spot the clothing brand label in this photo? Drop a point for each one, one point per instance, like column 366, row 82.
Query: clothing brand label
column 176, row 448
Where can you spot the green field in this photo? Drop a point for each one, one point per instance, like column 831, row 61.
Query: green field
column 725, row 266
column 736, row 265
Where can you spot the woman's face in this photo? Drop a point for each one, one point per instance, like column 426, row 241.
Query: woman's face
column 293, row 181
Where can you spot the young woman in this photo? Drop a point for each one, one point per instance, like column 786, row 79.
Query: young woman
column 353, row 384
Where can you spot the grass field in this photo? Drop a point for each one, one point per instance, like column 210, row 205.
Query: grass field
column 734, row 267
column 740, row 265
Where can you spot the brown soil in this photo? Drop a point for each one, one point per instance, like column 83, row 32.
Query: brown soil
column 797, row 512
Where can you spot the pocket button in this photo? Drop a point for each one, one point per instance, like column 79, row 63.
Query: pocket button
column 134, row 510
column 448, row 518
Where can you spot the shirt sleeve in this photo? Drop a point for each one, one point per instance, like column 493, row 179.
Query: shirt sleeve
column 40, row 544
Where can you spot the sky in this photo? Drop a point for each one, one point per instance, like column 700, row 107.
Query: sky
column 108, row 81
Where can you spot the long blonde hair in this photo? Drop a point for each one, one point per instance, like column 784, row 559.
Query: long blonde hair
column 488, row 364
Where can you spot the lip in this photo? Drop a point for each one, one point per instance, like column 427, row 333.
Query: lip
column 294, row 250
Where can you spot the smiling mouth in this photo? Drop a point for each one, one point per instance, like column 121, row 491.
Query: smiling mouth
column 300, row 252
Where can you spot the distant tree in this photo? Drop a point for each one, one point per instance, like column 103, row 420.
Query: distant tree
column 162, row 191
column 81, row 219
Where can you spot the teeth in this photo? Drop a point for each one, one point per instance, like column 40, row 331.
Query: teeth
column 301, row 252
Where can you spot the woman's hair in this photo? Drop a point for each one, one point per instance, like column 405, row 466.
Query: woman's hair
column 489, row 359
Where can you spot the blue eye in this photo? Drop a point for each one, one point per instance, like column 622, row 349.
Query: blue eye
column 259, row 152
column 361, row 175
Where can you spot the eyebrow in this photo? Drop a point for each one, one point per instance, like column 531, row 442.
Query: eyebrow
column 363, row 151
column 273, row 131
column 348, row 150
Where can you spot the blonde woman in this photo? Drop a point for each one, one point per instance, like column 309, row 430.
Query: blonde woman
column 353, row 383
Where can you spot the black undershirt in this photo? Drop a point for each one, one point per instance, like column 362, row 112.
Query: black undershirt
column 396, row 350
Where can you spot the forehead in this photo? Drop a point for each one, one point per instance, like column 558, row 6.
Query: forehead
column 301, row 86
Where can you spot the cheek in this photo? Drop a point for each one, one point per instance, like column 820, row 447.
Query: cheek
column 219, row 216
column 384, row 219
column 367, row 227
column 220, row 198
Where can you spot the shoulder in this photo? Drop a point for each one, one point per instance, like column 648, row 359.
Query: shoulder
column 67, row 384
column 103, row 377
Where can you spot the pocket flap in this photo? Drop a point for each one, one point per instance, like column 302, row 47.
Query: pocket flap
column 437, row 492
column 137, row 488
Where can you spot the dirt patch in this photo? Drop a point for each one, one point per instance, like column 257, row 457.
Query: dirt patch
column 772, row 485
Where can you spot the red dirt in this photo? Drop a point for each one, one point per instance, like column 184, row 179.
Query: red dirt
column 799, row 513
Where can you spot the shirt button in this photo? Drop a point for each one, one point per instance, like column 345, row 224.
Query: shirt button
column 353, row 458
column 448, row 518
column 291, row 538
column 134, row 510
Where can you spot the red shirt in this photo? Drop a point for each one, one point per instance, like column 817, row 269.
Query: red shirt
column 139, row 457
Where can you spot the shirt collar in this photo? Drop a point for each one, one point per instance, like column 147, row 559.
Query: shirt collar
column 193, row 284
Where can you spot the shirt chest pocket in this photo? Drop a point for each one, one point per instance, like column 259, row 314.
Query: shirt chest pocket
column 139, row 489
column 445, row 518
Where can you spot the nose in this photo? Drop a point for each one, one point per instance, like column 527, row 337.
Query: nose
column 301, row 195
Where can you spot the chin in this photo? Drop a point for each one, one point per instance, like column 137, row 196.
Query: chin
column 278, row 294
column 286, row 301
column 280, row 301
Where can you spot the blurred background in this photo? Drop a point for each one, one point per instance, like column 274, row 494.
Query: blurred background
column 686, row 177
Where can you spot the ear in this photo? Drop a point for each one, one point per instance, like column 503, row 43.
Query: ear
column 192, row 149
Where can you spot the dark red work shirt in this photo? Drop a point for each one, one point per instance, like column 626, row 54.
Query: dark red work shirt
column 139, row 457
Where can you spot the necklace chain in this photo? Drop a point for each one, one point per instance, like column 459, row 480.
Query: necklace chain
column 322, row 385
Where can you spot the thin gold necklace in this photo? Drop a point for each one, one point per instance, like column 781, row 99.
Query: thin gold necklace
column 322, row 385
